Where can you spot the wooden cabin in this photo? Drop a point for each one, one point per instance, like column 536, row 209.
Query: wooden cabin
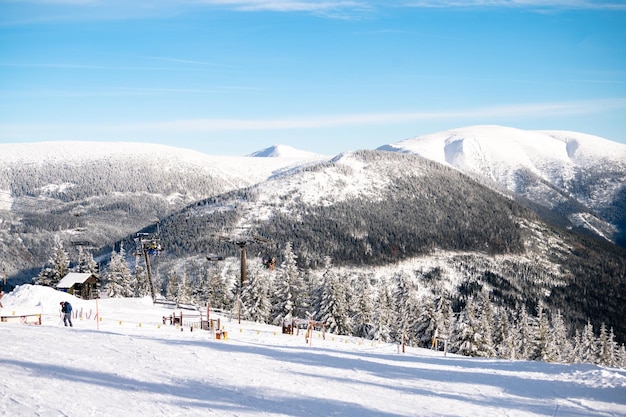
column 81, row 285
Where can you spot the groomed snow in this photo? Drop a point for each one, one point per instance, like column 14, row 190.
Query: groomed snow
column 130, row 364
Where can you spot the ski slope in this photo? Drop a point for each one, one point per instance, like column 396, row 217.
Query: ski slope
column 129, row 363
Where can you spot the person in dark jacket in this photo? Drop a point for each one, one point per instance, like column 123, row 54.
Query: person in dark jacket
column 66, row 309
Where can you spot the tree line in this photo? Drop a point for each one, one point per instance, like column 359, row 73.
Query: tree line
column 398, row 308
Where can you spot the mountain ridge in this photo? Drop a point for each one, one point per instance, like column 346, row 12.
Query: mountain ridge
column 579, row 176
column 361, row 209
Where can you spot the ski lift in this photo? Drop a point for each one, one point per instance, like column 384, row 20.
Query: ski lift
column 269, row 262
column 153, row 248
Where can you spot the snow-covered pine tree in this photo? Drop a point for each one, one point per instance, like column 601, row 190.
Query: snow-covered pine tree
column 309, row 296
column 363, row 317
column 184, row 290
column 559, row 345
column 118, row 276
column 171, row 291
column 406, row 312
column 607, row 348
column 487, row 324
column 511, row 348
column 255, row 297
column 384, row 313
column 444, row 318
column 621, row 356
column 501, row 341
column 613, row 357
column 589, row 351
column 540, row 344
column 86, row 263
column 141, row 278
column 576, row 354
column 525, row 333
column 426, row 322
column 57, row 266
column 287, row 288
column 215, row 291
column 334, row 306
column 467, row 339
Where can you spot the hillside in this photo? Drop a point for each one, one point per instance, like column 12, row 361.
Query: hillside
column 376, row 213
column 372, row 215
column 568, row 177
column 100, row 192
column 129, row 363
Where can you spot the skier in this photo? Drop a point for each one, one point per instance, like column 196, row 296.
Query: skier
column 66, row 309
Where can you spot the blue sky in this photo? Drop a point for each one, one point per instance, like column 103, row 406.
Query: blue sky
column 236, row 76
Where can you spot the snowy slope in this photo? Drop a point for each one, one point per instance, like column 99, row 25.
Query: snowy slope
column 129, row 363
column 113, row 189
column 150, row 156
column 497, row 152
column 551, row 168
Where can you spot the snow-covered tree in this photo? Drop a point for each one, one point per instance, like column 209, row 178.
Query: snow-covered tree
column 333, row 305
column 487, row 324
column 540, row 343
column 589, row 348
column 502, row 344
column 118, row 276
column 525, row 333
column 255, row 297
column 607, row 348
column 309, row 295
column 86, row 263
column 621, row 356
column 287, row 287
column 215, row 290
column 559, row 344
column 57, row 266
column 185, row 290
column 426, row 323
column 468, row 336
column 171, row 291
column 142, row 288
column 444, row 318
column 384, row 314
column 363, row 317
column 405, row 302
column 576, row 354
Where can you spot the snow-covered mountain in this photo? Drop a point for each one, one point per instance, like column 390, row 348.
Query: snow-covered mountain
column 108, row 190
column 366, row 209
column 378, row 213
column 284, row 151
column 579, row 176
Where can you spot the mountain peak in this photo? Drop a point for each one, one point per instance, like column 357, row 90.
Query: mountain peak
column 283, row 151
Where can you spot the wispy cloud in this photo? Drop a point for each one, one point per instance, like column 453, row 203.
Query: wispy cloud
column 535, row 4
column 8, row 131
column 87, row 67
column 315, row 122
column 335, row 9
column 328, row 8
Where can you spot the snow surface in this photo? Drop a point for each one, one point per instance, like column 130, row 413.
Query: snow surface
column 250, row 170
column 128, row 363
column 497, row 151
